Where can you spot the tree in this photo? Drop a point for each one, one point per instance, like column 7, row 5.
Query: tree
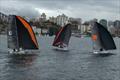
column 52, row 31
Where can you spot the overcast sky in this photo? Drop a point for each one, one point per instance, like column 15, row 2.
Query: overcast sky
column 85, row 9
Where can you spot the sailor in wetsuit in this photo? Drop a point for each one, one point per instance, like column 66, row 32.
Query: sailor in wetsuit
column 14, row 50
column 62, row 45
column 101, row 49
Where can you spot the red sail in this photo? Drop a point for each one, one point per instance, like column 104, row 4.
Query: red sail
column 58, row 32
column 57, row 40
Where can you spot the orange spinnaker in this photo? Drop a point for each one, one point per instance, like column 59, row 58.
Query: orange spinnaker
column 28, row 27
column 94, row 37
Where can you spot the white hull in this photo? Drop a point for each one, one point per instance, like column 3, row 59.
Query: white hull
column 10, row 51
column 16, row 52
column 101, row 52
column 61, row 49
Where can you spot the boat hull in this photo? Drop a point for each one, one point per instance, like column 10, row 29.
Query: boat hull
column 23, row 52
column 101, row 52
column 61, row 49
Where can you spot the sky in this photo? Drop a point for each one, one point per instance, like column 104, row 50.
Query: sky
column 85, row 9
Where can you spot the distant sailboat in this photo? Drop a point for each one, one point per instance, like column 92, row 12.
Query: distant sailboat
column 62, row 38
column 20, row 35
column 102, row 40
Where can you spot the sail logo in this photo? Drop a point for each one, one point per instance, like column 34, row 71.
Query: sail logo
column 94, row 37
column 10, row 33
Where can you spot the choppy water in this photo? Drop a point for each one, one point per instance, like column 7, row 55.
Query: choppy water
column 77, row 64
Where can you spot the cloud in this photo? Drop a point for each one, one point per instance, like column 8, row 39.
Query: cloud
column 85, row 9
column 18, row 8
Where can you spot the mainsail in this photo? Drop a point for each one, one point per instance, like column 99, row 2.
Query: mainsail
column 20, row 34
column 101, row 38
column 63, row 36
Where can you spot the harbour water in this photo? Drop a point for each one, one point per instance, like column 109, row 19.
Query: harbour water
column 76, row 64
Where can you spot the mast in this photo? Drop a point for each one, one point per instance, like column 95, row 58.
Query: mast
column 95, row 38
column 17, row 36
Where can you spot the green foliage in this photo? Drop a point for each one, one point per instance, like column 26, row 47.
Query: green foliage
column 3, row 26
column 52, row 31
